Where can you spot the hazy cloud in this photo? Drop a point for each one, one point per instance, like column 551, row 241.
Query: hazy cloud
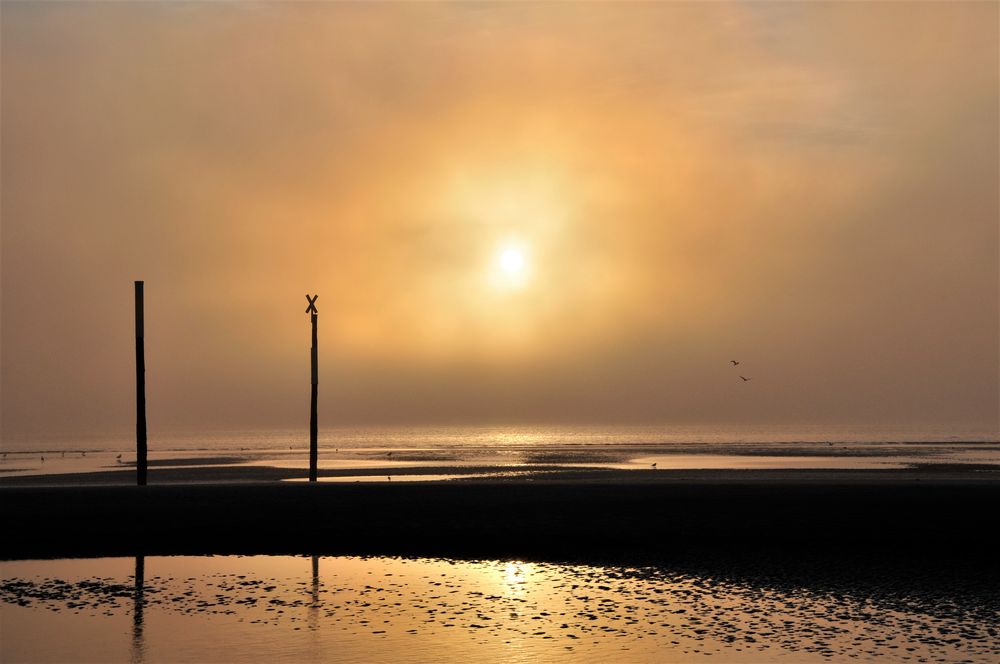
column 809, row 187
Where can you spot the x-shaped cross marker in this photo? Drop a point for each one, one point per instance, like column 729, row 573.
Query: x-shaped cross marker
column 311, row 309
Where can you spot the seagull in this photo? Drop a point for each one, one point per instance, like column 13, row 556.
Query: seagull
column 734, row 362
column 745, row 379
column 654, row 465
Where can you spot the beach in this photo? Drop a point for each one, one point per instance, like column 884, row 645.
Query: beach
column 582, row 493
column 751, row 553
column 561, row 514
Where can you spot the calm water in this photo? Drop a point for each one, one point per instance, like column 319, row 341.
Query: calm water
column 445, row 438
column 515, row 449
column 266, row 608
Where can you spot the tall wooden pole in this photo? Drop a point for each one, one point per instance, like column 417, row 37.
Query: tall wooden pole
column 313, row 420
column 140, row 390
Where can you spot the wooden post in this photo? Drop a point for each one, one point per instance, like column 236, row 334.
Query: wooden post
column 313, row 420
column 140, row 389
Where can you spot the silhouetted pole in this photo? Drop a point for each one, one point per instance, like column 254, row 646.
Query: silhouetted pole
column 140, row 390
column 313, row 422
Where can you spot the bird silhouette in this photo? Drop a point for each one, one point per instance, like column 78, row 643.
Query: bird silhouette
column 654, row 465
column 745, row 379
column 734, row 362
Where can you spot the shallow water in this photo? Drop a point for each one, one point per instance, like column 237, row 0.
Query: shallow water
column 441, row 438
column 367, row 465
column 266, row 608
column 410, row 454
column 428, row 477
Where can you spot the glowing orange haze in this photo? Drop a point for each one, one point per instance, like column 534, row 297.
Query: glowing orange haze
column 809, row 188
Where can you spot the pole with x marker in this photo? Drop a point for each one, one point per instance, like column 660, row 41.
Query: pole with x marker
column 313, row 423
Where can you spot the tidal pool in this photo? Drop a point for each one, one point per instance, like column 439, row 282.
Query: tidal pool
column 365, row 609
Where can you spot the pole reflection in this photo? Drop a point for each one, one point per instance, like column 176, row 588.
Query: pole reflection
column 138, row 600
column 313, row 615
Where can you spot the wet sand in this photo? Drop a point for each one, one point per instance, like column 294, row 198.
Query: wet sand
column 913, row 516
column 291, row 608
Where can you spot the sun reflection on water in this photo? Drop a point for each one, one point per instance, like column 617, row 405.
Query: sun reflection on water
column 391, row 609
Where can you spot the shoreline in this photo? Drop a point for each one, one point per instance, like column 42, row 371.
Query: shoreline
column 221, row 471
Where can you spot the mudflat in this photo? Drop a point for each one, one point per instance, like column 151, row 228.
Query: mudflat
column 951, row 513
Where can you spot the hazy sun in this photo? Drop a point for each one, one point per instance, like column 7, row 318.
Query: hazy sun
column 510, row 267
column 511, row 260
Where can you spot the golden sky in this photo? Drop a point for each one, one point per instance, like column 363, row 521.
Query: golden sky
column 511, row 212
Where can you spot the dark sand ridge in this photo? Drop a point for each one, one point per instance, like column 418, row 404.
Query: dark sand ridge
column 942, row 517
column 890, row 535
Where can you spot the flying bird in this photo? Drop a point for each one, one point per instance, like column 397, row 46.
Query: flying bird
column 745, row 379
column 735, row 362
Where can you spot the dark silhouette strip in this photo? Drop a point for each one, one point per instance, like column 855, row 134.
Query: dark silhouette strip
column 140, row 389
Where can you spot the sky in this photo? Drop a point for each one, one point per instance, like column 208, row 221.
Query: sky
column 512, row 213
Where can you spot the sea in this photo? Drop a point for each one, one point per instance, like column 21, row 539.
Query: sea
column 410, row 451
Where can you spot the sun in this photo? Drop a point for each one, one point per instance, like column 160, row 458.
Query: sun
column 511, row 260
column 511, row 267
